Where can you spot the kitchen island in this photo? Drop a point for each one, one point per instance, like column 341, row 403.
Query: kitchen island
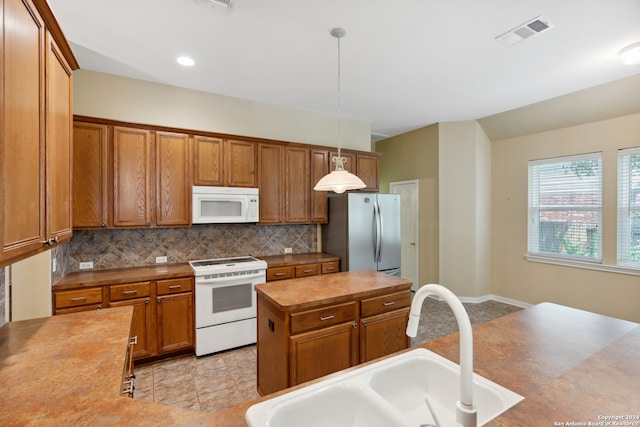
column 570, row 365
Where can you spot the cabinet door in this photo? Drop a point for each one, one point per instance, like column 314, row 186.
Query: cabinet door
column 22, row 131
column 319, row 168
column 58, row 144
column 240, row 168
column 90, row 184
column 141, row 325
column 131, row 177
column 367, row 171
column 271, row 183
column 297, row 185
column 383, row 334
column 174, row 322
column 208, row 161
column 321, row 352
column 173, row 195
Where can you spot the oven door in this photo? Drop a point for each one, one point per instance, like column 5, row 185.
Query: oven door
column 225, row 299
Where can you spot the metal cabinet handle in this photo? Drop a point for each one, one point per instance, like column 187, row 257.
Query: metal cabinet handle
column 134, row 291
column 329, row 317
column 79, row 299
column 133, row 340
column 279, row 274
column 307, row 271
column 388, row 303
column 128, row 386
column 175, row 287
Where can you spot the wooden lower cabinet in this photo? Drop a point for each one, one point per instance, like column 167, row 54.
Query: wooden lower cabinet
column 175, row 322
column 321, row 352
column 163, row 316
column 383, row 334
column 141, row 326
column 304, row 270
column 301, row 345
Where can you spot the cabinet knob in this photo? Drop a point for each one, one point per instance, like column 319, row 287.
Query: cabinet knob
column 364, row 323
column 354, row 325
column 146, row 301
column 104, row 224
column 157, row 222
column 147, row 223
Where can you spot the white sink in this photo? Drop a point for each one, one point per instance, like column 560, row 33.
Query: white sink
column 390, row 392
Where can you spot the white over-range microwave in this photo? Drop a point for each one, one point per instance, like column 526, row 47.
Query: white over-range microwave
column 224, row 205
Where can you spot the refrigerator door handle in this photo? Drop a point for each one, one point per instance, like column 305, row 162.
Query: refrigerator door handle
column 378, row 225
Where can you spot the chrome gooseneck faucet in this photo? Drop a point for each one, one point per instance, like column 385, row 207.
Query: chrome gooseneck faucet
column 466, row 412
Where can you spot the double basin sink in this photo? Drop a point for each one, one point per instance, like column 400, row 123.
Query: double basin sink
column 414, row 388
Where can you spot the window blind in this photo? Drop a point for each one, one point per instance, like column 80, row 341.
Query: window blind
column 565, row 207
column 629, row 207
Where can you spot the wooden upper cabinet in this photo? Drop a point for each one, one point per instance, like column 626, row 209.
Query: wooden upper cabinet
column 22, row 131
column 90, row 175
column 271, row 183
column 240, row 163
column 367, row 170
column 222, row 162
column 319, row 168
column 298, row 185
column 58, row 144
column 131, row 177
column 173, row 195
column 208, row 160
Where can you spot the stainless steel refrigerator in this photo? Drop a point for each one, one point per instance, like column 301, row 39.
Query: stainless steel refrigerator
column 364, row 231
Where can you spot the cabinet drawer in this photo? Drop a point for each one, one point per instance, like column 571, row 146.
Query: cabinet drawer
column 322, row 317
column 279, row 273
column 330, row 267
column 174, row 286
column 129, row 290
column 382, row 304
column 307, row 270
column 78, row 297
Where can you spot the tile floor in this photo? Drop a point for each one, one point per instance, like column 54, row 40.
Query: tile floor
column 222, row 380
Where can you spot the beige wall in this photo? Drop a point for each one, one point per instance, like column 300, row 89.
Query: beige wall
column 613, row 294
column 465, row 211
column 414, row 155
column 118, row 98
column 31, row 287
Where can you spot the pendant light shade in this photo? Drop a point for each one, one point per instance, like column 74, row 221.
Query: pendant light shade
column 339, row 180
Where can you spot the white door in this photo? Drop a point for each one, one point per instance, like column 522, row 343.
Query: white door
column 408, row 191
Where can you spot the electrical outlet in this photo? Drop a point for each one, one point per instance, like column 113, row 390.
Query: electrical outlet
column 54, row 267
column 161, row 259
column 86, row 265
column 287, row 250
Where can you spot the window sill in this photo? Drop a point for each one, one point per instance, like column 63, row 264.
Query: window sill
column 580, row 264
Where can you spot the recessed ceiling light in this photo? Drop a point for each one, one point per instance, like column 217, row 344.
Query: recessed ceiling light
column 630, row 55
column 186, row 61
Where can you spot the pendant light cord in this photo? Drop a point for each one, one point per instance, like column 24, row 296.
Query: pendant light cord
column 339, row 102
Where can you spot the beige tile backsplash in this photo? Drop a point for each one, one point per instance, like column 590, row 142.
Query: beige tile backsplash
column 139, row 247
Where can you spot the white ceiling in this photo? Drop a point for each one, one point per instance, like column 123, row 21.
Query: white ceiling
column 405, row 64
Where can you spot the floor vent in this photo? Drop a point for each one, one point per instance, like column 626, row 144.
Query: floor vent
column 524, row 31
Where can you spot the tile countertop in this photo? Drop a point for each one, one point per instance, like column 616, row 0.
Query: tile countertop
column 88, row 278
column 306, row 292
column 571, row 366
column 298, row 259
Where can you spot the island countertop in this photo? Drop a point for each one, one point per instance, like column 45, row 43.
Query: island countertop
column 570, row 365
column 312, row 291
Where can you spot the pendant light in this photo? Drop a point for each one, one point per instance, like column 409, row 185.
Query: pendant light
column 339, row 180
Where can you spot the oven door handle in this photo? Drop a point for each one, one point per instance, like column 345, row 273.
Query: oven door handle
column 227, row 279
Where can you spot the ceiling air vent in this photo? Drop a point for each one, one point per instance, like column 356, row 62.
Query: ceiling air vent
column 524, row 31
column 219, row 4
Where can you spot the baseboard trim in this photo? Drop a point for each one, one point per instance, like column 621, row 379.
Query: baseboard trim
column 489, row 297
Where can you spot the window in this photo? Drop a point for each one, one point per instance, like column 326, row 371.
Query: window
column 565, row 207
column 629, row 208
